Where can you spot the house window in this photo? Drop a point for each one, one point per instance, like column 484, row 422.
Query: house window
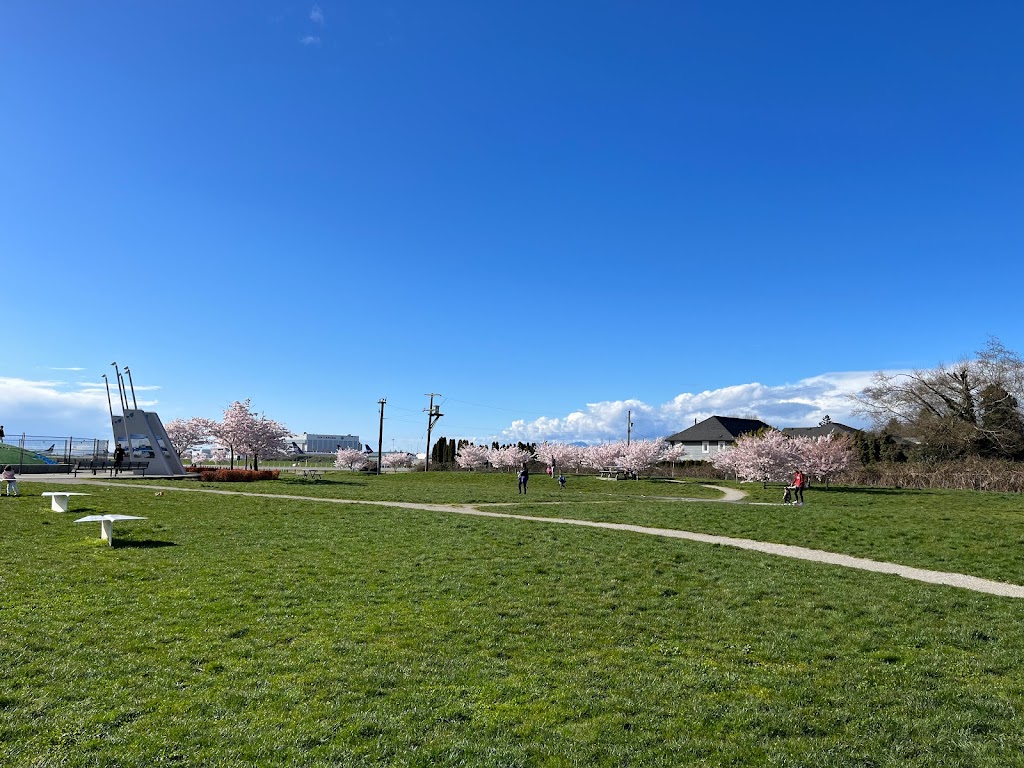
column 705, row 447
column 721, row 445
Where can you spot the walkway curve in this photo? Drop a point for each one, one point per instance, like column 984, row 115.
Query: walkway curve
column 960, row 580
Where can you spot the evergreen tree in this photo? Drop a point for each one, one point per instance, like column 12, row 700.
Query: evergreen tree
column 1002, row 427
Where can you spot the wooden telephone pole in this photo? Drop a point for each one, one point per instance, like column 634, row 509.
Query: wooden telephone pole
column 380, row 435
column 433, row 414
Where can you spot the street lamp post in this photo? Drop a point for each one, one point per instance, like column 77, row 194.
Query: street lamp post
column 135, row 405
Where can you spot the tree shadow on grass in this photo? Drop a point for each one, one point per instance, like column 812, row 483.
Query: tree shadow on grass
column 837, row 490
column 327, row 481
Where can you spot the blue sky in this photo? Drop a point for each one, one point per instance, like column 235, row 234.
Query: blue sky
column 550, row 213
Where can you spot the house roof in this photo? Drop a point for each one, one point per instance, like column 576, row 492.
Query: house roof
column 820, row 431
column 716, row 428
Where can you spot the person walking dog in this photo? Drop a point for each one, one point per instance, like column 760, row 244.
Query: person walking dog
column 799, row 481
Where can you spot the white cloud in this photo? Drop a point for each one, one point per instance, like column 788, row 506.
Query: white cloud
column 801, row 404
column 316, row 15
column 310, row 40
column 58, row 408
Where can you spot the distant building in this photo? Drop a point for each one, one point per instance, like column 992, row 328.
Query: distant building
column 308, row 442
column 820, row 431
column 712, row 435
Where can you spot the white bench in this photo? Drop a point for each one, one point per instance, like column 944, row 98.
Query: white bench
column 107, row 524
column 59, row 499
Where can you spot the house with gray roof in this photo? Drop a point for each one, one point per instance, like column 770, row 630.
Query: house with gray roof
column 712, row 435
column 821, row 430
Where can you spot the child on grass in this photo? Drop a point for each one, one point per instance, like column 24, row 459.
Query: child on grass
column 8, row 477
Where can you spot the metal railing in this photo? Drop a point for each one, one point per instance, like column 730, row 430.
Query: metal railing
column 35, row 450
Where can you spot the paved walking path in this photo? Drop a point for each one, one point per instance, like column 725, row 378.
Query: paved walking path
column 960, row 580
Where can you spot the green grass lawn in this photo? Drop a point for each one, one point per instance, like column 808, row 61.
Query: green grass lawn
column 227, row 630
column 10, row 454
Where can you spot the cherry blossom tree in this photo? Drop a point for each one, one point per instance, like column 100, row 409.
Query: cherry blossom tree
column 233, row 431
column 186, row 434
column 825, row 456
column 767, row 457
column 267, row 439
column 243, row 433
column 674, row 453
column 640, row 455
column 508, row 457
column 561, row 456
column 472, row 456
column 604, row 455
column 352, row 458
column 397, row 460
column 725, row 460
column 570, row 458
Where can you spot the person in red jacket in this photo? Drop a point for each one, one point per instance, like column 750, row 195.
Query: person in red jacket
column 799, row 481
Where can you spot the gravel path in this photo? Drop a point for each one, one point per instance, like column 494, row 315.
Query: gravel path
column 960, row 580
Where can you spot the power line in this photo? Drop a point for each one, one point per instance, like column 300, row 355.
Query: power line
column 495, row 407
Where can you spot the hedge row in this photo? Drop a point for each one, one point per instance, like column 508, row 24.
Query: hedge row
column 235, row 475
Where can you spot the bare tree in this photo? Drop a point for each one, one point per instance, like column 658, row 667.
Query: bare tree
column 964, row 409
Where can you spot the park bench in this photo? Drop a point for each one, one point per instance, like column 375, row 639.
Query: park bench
column 96, row 465
column 87, row 465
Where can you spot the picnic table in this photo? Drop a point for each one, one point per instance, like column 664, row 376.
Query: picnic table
column 615, row 473
column 310, row 473
column 59, row 499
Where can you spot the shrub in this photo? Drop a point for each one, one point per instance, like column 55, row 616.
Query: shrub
column 236, row 475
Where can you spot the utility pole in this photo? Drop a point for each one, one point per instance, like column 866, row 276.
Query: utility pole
column 380, row 435
column 629, row 426
column 433, row 414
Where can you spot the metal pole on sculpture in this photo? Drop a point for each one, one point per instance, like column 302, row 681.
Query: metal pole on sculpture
column 124, row 408
column 110, row 406
column 135, row 405
column 120, row 388
column 110, row 409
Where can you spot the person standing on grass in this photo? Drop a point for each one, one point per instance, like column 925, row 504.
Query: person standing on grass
column 118, row 458
column 524, row 478
column 1, row 433
column 561, row 480
column 798, row 487
column 8, row 477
